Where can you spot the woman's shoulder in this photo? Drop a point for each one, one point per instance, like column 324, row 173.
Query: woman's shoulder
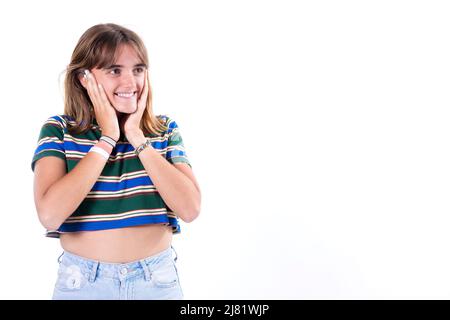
column 162, row 117
column 168, row 121
column 59, row 119
column 62, row 121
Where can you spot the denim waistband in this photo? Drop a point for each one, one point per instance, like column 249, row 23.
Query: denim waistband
column 93, row 268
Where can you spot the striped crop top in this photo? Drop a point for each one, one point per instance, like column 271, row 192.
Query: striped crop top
column 124, row 194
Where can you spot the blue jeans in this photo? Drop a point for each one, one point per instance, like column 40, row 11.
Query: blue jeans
column 152, row 278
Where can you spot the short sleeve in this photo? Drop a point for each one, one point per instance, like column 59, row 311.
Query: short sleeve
column 50, row 141
column 176, row 153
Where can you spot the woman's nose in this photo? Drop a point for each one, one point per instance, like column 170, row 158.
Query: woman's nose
column 128, row 79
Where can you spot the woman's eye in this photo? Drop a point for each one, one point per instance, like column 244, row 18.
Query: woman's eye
column 116, row 71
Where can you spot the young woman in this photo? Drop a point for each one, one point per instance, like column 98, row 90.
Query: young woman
column 111, row 178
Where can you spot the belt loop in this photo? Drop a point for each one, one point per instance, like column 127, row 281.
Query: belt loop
column 146, row 269
column 59, row 258
column 93, row 272
column 176, row 255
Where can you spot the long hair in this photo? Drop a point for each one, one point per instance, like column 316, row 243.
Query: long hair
column 97, row 48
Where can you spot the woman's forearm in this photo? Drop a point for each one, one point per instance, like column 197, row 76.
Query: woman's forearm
column 177, row 190
column 66, row 194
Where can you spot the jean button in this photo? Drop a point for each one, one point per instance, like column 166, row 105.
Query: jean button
column 123, row 271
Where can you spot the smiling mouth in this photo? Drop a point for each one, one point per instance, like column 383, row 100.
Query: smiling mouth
column 125, row 95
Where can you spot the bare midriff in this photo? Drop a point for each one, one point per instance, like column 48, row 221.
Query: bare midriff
column 118, row 245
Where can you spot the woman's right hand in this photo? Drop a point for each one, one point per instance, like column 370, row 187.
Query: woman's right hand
column 104, row 112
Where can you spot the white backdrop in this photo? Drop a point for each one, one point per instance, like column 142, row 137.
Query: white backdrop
column 318, row 131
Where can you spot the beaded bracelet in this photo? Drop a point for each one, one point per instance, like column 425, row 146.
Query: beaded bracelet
column 142, row 146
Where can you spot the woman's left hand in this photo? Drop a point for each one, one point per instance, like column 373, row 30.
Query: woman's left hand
column 129, row 124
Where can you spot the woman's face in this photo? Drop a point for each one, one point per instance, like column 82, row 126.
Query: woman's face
column 123, row 82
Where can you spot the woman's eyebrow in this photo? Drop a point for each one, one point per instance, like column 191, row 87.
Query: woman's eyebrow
column 120, row 66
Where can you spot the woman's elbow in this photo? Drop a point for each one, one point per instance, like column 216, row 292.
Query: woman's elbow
column 192, row 214
column 194, row 211
column 48, row 221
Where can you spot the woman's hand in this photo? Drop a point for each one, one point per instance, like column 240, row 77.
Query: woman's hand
column 130, row 122
column 104, row 113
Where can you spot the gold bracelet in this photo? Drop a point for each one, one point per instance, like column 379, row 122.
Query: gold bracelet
column 142, row 146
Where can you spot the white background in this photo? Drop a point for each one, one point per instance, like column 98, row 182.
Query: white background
column 318, row 131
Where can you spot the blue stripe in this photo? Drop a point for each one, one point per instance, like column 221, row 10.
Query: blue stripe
column 123, row 148
column 175, row 153
column 126, row 184
column 174, row 223
column 73, row 146
column 57, row 118
column 159, row 145
column 49, row 145
column 172, row 125
column 130, row 222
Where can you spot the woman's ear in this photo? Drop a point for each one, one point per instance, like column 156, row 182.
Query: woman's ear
column 82, row 79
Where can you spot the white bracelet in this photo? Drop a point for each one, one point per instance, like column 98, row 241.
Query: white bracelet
column 100, row 151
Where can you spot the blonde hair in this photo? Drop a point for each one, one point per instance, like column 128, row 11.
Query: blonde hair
column 98, row 48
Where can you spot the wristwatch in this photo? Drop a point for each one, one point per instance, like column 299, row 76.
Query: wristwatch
column 142, row 146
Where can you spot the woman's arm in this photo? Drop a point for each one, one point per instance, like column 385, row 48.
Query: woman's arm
column 58, row 197
column 175, row 183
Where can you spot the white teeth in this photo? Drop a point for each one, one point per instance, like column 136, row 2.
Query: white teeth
column 125, row 95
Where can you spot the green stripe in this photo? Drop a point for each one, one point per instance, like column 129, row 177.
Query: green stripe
column 111, row 206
